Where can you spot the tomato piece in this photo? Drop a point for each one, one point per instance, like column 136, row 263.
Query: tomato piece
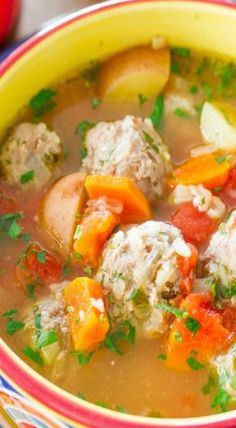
column 211, row 337
column 195, row 226
column 186, row 267
column 38, row 265
column 231, row 182
column 7, row 205
column 229, row 318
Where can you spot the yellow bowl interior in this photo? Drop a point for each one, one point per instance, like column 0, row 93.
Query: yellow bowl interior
column 193, row 24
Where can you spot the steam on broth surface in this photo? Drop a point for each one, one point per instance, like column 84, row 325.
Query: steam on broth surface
column 152, row 321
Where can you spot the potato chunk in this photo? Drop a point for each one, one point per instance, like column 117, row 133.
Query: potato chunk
column 137, row 70
column 60, row 207
column 218, row 125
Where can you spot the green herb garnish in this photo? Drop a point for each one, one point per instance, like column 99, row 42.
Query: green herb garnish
column 43, row 102
column 220, row 159
column 83, row 358
column 83, row 127
column 81, row 396
column 90, row 73
column 175, row 68
column 192, row 325
column 13, row 326
column 221, row 400
column 194, row 89
column 162, row 357
column 150, row 142
column 142, row 99
column 33, row 355
column 194, row 364
column 30, row 290
column 182, row 113
column 88, row 270
column 9, row 313
column 183, row 52
column 95, row 102
column 208, row 386
column 41, row 257
column 207, row 90
column 175, row 311
column 178, row 337
column 46, row 338
column 124, row 332
column 28, row 176
column 9, row 224
column 157, row 114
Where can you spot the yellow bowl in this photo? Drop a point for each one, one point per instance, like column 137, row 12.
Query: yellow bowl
column 95, row 33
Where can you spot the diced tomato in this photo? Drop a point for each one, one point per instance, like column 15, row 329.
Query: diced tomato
column 186, row 267
column 229, row 318
column 38, row 265
column 211, row 337
column 231, row 182
column 196, row 226
column 7, row 205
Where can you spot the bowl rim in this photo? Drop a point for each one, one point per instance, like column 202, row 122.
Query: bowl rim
column 27, row 381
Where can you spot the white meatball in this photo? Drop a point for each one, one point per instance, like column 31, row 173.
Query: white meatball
column 139, row 268
column 30, row 147
column 225, row 368
column 221, row 252
column 130, row 147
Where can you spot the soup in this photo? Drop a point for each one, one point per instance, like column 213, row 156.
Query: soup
column 117, row 221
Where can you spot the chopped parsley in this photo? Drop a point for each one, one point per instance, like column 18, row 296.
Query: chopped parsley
column 9, row 313
column 33, row 355
column 82, row 128
column 13, row 326
column 175, row 68
column 194, row 364
column 142, row 99
column 178, row 337
column 217, row 189
column 88, row 270
column 124, row 332
column 43, row 102
column 83, row 153
column 220, row 159
column 194, row 89
column 90, row 73
column 66, row 268
column 30, row 290
column 41, row 257
column 37, row 322
column 9, row 224
column 101, row 404
column 46, row 338
column 77, row 256
column 221, row 400
column 28, row 176
column 81, row 396
column 192, row 325
column 83, row 358
column 183, row 52
column 175, row 311
column 117, row 276
column 207, row 90
column 162, row 357
column 158, row 111
column 209, row 385
column 182, row 113
column 95, row 102
column 150, row 142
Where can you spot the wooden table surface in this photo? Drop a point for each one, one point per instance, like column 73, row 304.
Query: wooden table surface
column 35, row 12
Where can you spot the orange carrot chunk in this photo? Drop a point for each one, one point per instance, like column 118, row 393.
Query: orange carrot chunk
column 97, row 224
column 136, row 208
column 199, row 334
column 88, row 322
column 210, row 170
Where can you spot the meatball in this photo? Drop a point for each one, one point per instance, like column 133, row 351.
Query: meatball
column 220, row 256
column 225, row 368
column 201, row 198
column 30, row 147
column 139, row 269
column 130, row 147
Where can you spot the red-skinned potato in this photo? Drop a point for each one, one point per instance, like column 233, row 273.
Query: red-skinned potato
column 59, row 209
column 140, row 70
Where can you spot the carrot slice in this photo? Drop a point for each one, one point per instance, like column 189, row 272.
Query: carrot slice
column 187, row 266
column 210, row 170
column 93, row 231
column 136, row 208
column 88, row 322
column 202, row 337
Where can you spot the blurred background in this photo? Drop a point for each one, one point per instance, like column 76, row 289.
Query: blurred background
column 19, row 18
